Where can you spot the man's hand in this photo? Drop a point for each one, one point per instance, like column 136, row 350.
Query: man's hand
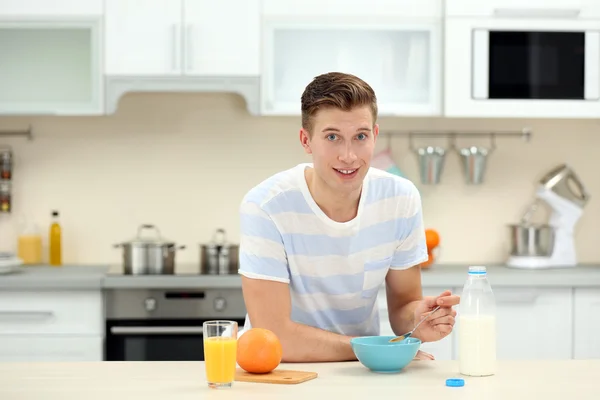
column 439, row 324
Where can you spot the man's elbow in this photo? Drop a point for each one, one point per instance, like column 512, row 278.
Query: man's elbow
column 284, row 330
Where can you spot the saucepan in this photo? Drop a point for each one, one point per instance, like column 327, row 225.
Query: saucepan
column 148, row 255
column 219, row 257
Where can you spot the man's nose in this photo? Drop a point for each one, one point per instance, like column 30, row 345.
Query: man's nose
column 347, row 154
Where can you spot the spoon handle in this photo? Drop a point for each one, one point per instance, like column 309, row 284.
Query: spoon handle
column 427, row 316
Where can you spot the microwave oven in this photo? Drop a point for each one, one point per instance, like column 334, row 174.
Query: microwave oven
column 517, row 62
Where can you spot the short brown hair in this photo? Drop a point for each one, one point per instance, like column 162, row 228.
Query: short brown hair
column 336, row 90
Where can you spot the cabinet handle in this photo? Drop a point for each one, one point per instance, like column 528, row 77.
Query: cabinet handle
column 27, row 314
column 174, row 46
column 536, row 13
column 189, row 47
column 156, row 330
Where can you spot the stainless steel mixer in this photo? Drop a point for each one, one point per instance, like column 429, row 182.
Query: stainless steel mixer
column 551, row 244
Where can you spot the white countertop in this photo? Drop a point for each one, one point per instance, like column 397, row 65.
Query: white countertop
column 187, row 276
column 548, row 380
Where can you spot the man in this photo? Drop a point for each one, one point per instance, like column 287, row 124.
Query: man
column 319, row 240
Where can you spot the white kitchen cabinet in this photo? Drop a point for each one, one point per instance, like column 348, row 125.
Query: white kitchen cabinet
column 42, row 312
column 441, row 349
column 222, row 38
column 58, row 8
column 143, row 39
column 531, row 323
column 51, row 66
column 53, row 349
column 182, row 37
column 359, row 8
column 398, row 54
column 51, row 325
column 587, row 323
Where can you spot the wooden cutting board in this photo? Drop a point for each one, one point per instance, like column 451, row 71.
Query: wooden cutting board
column 280, row 376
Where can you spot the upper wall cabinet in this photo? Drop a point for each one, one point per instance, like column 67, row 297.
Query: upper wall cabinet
column 50, row 57
column 395, row 46
column 533, row 59
column 61, row 8
column 182, row 37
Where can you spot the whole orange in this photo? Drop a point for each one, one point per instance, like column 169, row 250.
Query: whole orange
column 432, row 237
column 259, row 351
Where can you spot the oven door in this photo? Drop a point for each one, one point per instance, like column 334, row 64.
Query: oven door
column 155, row 340
column 521, row 67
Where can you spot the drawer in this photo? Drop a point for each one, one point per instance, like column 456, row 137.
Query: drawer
column 53, row 349
column 51, row 312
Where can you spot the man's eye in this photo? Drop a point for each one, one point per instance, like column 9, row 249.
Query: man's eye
column 362, row 136
column 331, row 137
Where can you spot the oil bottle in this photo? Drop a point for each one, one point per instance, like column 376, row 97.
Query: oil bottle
column 55, row 242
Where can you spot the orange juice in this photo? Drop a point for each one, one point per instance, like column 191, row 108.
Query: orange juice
column 220, row 359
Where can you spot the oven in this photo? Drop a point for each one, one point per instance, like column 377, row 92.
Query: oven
column 165, row 325
column 527, row 61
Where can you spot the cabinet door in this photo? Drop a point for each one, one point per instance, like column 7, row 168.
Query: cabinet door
column 587, row 323
column 54, row 349
column 361, row 8
column 532, row 323
column 51, row 67
column 59, row 8
column 222, row 38
column 400, row 60
column 143, row 37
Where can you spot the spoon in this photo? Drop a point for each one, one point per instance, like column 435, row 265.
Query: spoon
column 402, row 337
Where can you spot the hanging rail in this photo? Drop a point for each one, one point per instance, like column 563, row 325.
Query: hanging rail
column 28, row 133
column 524, row 133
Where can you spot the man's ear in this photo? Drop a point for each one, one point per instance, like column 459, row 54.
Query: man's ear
column 305, row 140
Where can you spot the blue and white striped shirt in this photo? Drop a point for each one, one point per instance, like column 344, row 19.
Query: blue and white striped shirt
column 334, row 270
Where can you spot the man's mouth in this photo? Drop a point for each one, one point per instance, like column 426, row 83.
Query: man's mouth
column 346, row 173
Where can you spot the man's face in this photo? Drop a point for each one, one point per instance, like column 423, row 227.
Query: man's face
column 341, row 144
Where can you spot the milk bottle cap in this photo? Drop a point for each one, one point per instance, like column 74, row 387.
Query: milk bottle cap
column 455, row 382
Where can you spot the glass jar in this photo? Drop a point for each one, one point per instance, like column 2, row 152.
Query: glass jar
column 6, row 164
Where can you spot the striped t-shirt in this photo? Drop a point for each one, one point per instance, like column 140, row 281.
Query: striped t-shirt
column 334, row 270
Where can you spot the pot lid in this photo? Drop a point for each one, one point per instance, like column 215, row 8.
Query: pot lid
column 155, row 239
column 219, row 239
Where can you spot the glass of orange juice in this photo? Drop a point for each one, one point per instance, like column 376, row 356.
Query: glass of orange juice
column 220, row 351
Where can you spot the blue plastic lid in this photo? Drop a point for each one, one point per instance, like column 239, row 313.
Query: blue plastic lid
column 455, row 382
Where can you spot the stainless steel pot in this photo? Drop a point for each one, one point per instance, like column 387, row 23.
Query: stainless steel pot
column 531, row 240
column 148, row 255
column 219, row 257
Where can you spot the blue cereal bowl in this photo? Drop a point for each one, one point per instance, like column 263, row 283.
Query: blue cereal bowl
column 378, row 355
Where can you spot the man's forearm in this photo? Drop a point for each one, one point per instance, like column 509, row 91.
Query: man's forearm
column 402, row 320
column 303, row 343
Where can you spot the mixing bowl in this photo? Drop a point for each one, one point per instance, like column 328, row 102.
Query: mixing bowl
column 378, row 355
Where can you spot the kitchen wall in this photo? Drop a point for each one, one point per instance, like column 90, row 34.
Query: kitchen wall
column 184, row 161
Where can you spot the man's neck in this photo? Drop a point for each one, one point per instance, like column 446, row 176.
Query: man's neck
column 339, row 207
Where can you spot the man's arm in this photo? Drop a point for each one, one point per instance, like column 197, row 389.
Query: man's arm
column 269, row 306
column 265, row 285
column 403, row 281
column 404, row 293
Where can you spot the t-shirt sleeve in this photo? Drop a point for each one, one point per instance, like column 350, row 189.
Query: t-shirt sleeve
column 262, row 254
column 412, row 249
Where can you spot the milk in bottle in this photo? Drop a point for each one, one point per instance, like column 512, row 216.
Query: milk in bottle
column 477, row 325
